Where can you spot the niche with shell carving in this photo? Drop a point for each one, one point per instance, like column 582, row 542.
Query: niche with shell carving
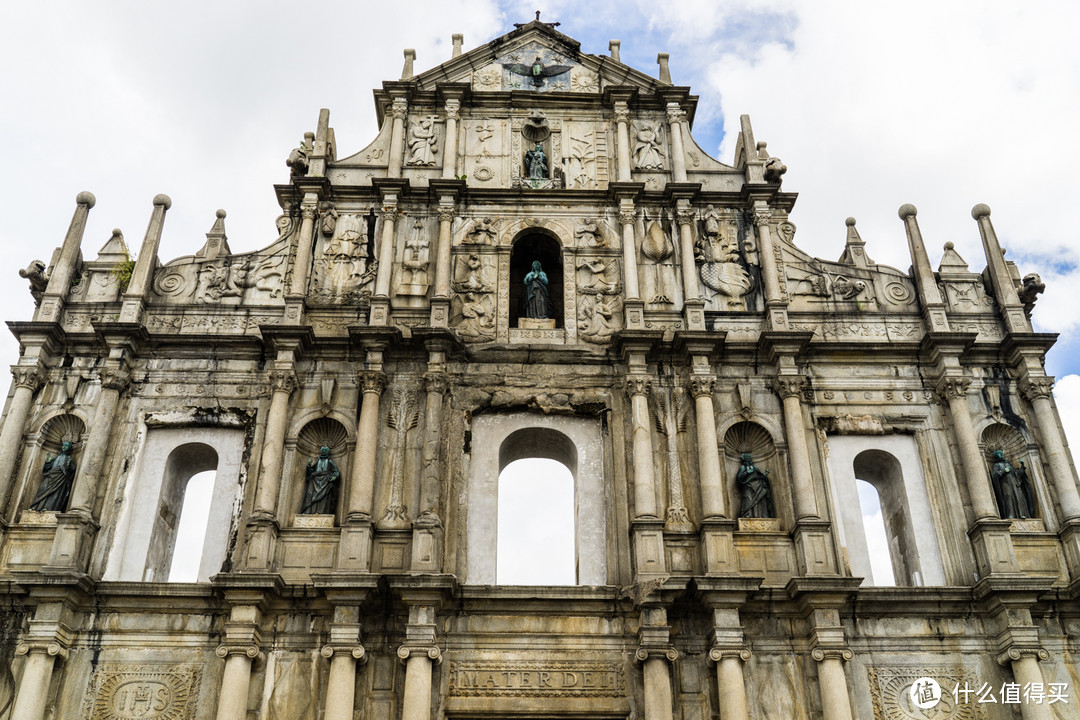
column 1018, row 453
column 319, row 433
column 749, row 437
column 55, row 432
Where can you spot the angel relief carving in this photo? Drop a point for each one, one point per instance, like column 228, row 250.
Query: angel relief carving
column 346, row 266
column 473, row 307
column 648, row 152
column 234, row 276
column 598, row 287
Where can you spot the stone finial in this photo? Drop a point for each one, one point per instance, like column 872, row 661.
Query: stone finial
column 665, row 71
column 907, row 210
column 458, row 40
column 163, row 200
column 854, row 247
column 951, row 262
column 115, row 250
column 613, row 48
column 86, row 198
column 980, row 211
column 407, row 70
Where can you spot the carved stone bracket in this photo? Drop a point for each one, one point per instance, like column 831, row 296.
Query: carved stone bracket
column 28, row 377
column 702, row 385
column 407, row 651
column 667, row 653
column 357, row 651
column 717, row 654
column 250, row 651
column 283, row 381
column 638, row 385
column 950, row 388
column 821, row 654
column 1036, row 387
column 112, row 379
column 1018, row 653
column 372, row 381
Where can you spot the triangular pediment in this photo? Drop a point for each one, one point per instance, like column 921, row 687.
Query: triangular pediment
column 535, row 58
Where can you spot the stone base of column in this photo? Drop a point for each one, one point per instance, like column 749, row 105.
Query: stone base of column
column 440, row 312
column 294, row 309
column 426, row 548
column 262, row 535
column 814, row 549
column 379, row 314
column 649, row 560
column 994, row 553
column 634, row 311
column 718, row 547
column 72, row 543
column 776, row 318
column 354, row 549
column 1070, row 543
column 694, row 314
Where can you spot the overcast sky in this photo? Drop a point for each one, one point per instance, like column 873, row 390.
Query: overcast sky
column 870, row 105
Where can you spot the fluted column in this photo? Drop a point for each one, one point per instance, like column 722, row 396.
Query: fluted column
column 622, row 134
column 712, row 491
column 341, row 686
column 832, row 681
column 27, row 380
column 656, row 671
column 282, row 382
column 302, row 263
column 236, row 681
column 1038, row 391
column 416, row 704
column 399, row 110
column 731, row 685
column 676, row 118
column 453, row 114
column 1026, row 672
column 954, row 391
column 56, row 291
column 113, row 382
column 644, row 479
column 33, row 693
column 790, row 388
column 362, row 485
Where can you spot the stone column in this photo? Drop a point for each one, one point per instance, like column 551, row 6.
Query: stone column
column 1008, row 301
column 33, row 693
column 380, row 305
column 235, row 683
column 399, row 110
column 355, row 549
column 657, row 681
column 776, row 312
column 27, row 380
column 644, row 480
column 954, row 391
column 304, row 251
column 835, row 701
column 676, row 118
column 789, row 388
column 627, row 218
column 113, row 382
column 453, row 114
column 60, row 280
column 712, row 491
column 1038, row 391
column 1026, row 671
column 341, row 686
column 622, row 133
column 440, row 301
column 684, row 215
column 417, row 701
column 427, row 526
column 283, row 382
column 730, row 683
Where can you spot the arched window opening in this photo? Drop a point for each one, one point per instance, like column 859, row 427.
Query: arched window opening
column 536, row 524
column 883, row 473
column 536, row 247
column 191, row 532
column 184, row 463
column 877, row 540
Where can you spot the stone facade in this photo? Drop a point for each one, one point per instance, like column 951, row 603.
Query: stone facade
column 688, row 346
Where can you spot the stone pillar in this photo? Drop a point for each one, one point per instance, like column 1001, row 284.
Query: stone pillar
column 113, row 382
column 427, row 526
column 730, row 683
column 56, row 291
column 356, row 533
column 627, row 219
column 235, row 683
column 644, row 480
column 450, row 154
column 712, row 490
column 775, row 308
column 341, row 686
column 676, row 118
column 33, row 693
column 657, row 682
column 925, row 280
column 142, row 275
column 1026, row 671
column 1008, row 301
column 789, row 388
column 283, row 382
column 380, row 305
column 684, row 215
column 399, row 110
column 302, row 263
column 1038, row 391
column 954, row 391
column 440, row 301
column 416, row 704
column 832, row 681
column 622, row 134
column 27, row 380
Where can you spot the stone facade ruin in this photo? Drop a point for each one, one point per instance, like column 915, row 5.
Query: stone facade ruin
column 533, row 259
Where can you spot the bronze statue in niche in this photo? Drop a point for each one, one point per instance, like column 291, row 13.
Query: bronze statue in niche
column 1013, row 489
column 57, row 476
column 320, row 488
column 755, row 494
column 537, row 297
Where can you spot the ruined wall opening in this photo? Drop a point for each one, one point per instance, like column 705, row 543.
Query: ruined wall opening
column 191, row 528
column 184, row 463
column 527, row 249
column 877, row 538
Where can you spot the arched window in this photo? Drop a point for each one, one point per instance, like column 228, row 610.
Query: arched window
column 191, row 530
column 184, row 463
column 527, row 249
column 877, row 539
column 536, row 524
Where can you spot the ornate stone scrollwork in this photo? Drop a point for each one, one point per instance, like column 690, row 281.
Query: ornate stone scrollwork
column 821, row 654
column 702, row 385
column 357, row 651
column 1036, row 387
column 950, row 388
column 251, row 651
column 28, row 377
column 372, row 381
column 283, row 381
column 1017, row 653
column 407, row 651
column 668, row 653
column 717, row 654
column 790, row 386
column 52, row 649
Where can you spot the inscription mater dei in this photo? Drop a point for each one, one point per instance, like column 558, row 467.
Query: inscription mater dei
column 536, row 678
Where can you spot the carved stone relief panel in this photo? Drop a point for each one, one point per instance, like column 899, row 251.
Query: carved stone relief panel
column 345, row 264
column 422, row 142
column 127, row 692
column 599, row 290
column 537, row 678
column 486, row 162
column 660, row 287
column 585, row 155
column 725, row 278
column 415, row 261
column 535, row 67
column 967, row 296
column 253, row 278
column 473, row 309
column 890, row 691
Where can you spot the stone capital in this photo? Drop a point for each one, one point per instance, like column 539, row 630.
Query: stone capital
column 399, row 110
column 356, row 651
column 638, row 385
column 372, row 381
column 622, row 112
column 453, row 109
column 283, row 381
column 822, row 654
column 389, row 212
column 432, row 652
column 951, row 388
column 250, row 651
column 675, row 114
column 446, row 214
column 308, row 212
column 789, row 386
column 646, row 652
column 702, row 386
column 685, row 216
column 627, row 217
column 1036, row 387
column 717, row 654
column 436, row 382
column 28, row 377
column 114, row 379
column 1019, row 653
column 762, row 217
column 52, row 649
